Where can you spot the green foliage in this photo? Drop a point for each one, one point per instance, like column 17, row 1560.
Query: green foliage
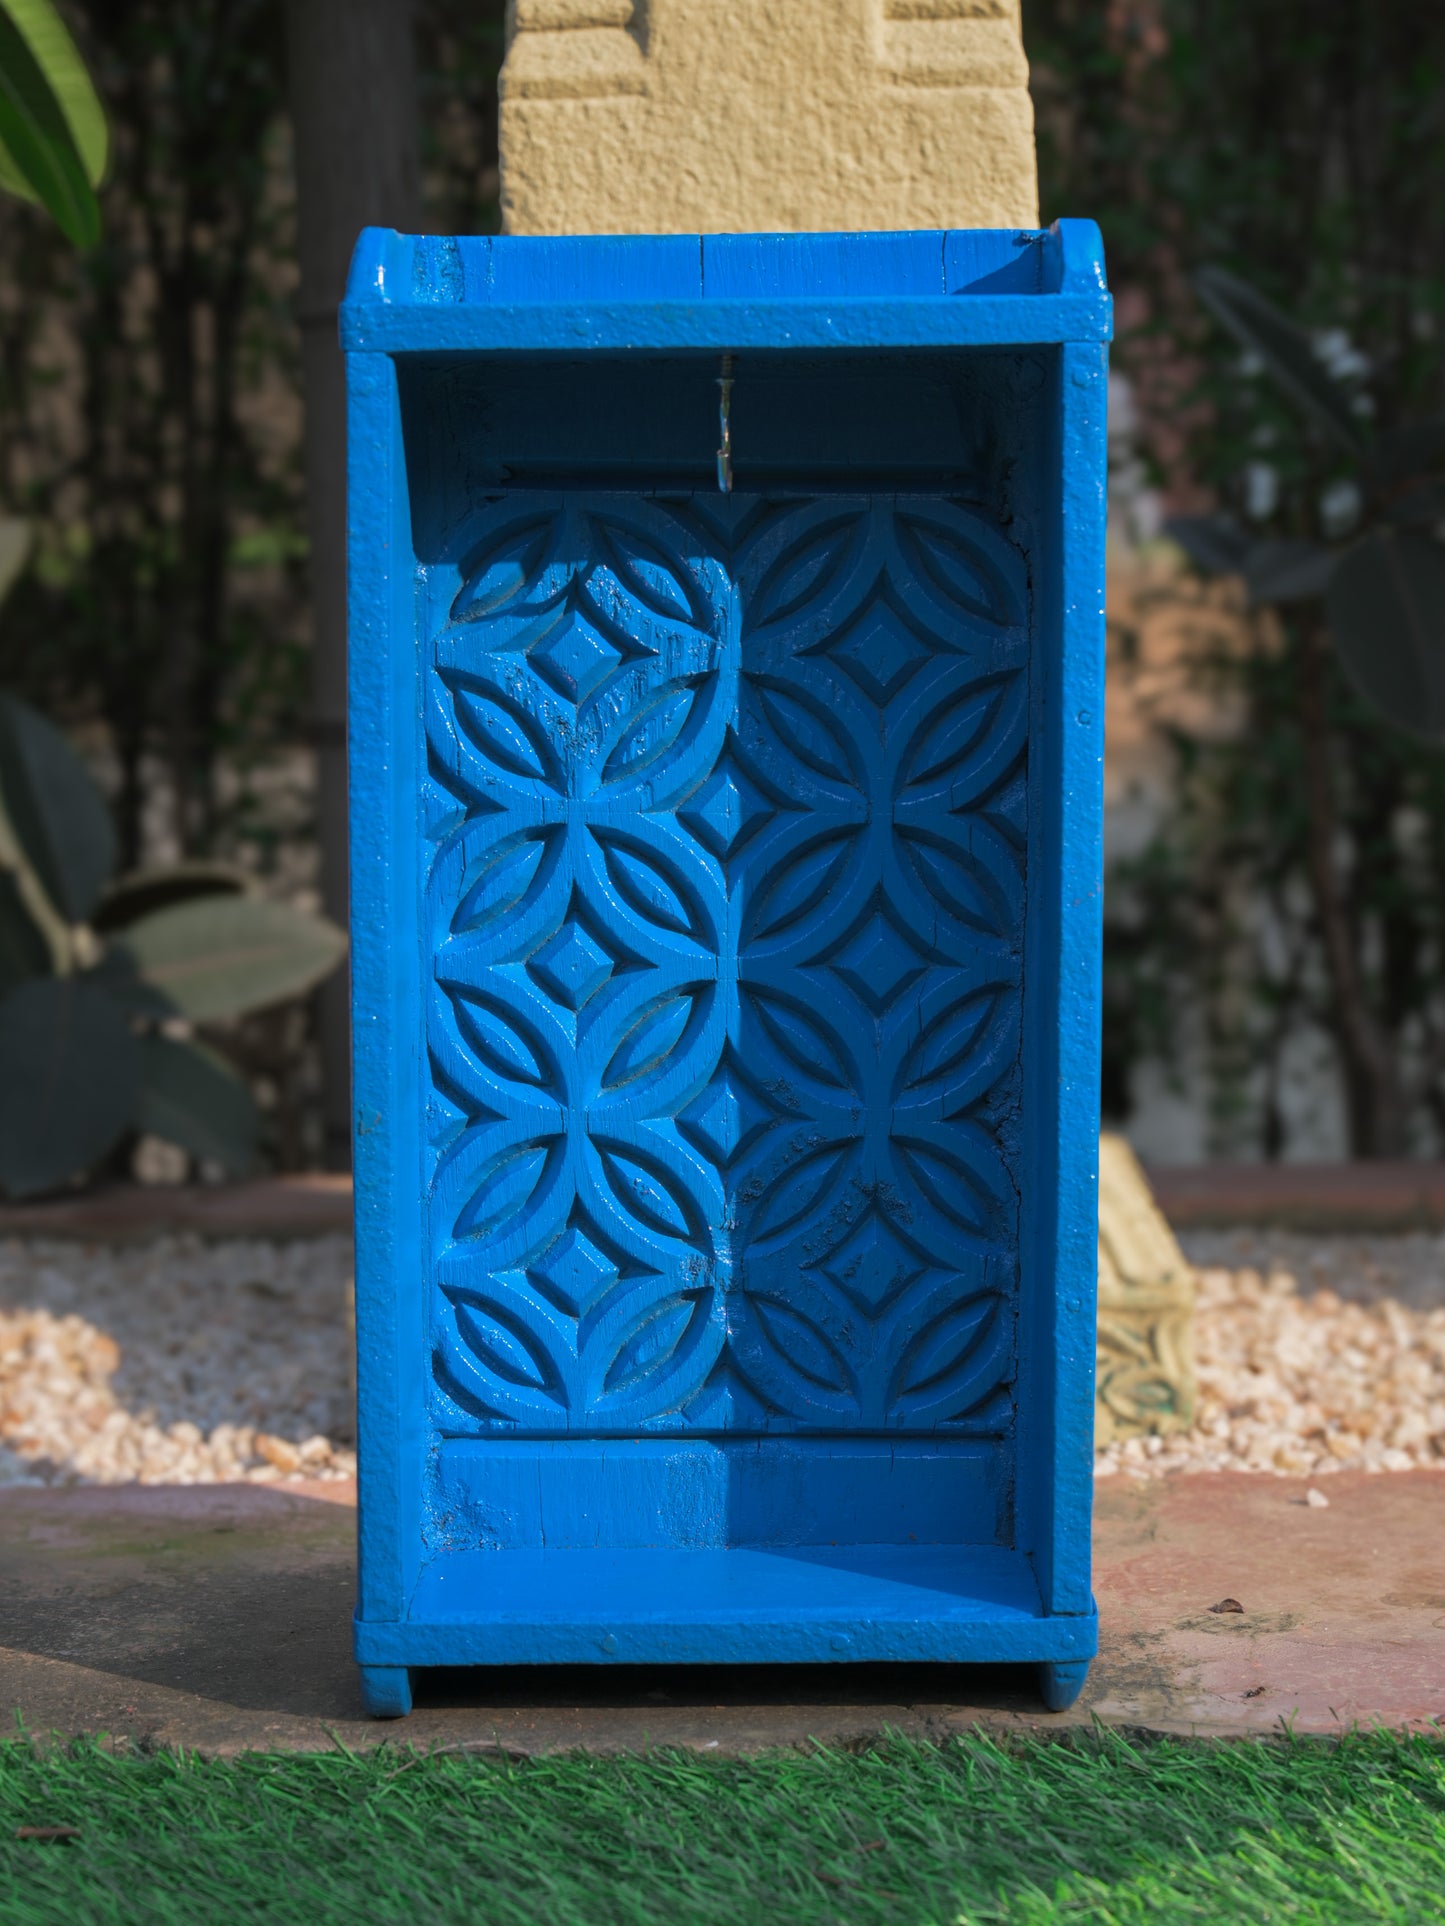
column 190, row 1096
column 150, row 407
column 55, row 810
column 1384, row 594
column 1385, row 605
column 52, row 127
column 90, row 974
column 1284, row 348
column 1290, row 905
column 217, row 957
column 973, row 1832
column 69, row 1080
column 130, row 897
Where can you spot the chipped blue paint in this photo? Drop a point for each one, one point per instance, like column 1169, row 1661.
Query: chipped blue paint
column 725, row 947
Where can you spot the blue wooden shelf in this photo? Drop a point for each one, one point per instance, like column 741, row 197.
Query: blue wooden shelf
column 726, row 902
column 930, row 1603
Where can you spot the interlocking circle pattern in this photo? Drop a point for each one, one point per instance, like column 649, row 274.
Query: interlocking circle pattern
column 727, row 803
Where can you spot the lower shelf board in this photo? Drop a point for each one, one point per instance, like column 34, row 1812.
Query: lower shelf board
column 942, row 1603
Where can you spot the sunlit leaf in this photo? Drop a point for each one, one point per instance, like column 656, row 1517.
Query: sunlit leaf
column 51, row 124
column 223, row 956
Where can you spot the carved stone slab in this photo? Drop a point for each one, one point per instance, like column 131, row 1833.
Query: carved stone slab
column 1146, row 1307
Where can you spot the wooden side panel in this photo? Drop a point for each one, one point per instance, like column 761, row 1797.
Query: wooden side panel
column 386, row 1082
column 1060, row 1249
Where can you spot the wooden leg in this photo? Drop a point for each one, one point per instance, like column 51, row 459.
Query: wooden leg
column 1061, row 1681
column 386, row 1691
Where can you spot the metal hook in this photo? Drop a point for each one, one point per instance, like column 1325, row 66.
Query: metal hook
column 725, row 429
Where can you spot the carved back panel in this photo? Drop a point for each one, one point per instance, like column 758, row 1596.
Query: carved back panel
column 726, row 802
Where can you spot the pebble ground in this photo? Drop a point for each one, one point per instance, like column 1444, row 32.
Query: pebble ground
column 190, row 1362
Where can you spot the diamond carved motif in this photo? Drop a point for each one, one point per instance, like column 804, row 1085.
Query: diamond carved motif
column 574, row 659
column 573, row 1272
column 571, row 965
column 878, row 963
column 873, row 1264
column 727, row 1117
column 879, row 651
column 727, row 811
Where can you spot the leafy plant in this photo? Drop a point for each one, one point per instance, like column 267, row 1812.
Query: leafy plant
column 102, row 980
column 1383, row 589
column 52, row 128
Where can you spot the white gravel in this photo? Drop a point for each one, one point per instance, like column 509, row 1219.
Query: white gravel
column 174, row 1362
column 1313, row 1354
column 187, row 1362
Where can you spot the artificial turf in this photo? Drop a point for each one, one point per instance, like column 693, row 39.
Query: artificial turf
column 1089, row 1827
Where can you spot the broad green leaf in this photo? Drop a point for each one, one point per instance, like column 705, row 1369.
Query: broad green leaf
column 1288, row 571
column 1285, row 349
column 143, row 891
column 15, row 540
column 1386, row 611
column 71, row 1077
column 189, row 1096
column 1409, row 454
column 39, row 153
column 1419, row 504
column 225, row 955
column 58, row 58
column 55, row 810
column 24, row 951
column 116, row 973
column 1215, row 544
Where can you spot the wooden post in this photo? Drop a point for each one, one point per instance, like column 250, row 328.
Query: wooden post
column 354, row 113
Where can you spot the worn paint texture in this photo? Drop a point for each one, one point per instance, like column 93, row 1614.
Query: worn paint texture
column 741, row 116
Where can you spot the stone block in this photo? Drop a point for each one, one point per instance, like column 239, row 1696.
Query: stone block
column 1146, row 1307
column 737, row 116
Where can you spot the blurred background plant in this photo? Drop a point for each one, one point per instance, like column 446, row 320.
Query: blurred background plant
column 150, row 441
column 102, row 982
column 105, row 982
column 1275, row 922
column 1275, row 960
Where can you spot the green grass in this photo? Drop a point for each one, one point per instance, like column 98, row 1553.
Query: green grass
column 1083, row 1827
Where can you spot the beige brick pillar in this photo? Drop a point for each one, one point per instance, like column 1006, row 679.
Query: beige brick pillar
column 692, row 116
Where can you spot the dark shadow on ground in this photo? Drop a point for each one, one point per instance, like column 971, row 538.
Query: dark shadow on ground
column 636, row 1688
column 243, row 1596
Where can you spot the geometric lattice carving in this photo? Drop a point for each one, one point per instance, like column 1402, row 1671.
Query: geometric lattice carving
column 728, row 802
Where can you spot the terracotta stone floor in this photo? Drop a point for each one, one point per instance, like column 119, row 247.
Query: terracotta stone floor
column 216, row 1617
